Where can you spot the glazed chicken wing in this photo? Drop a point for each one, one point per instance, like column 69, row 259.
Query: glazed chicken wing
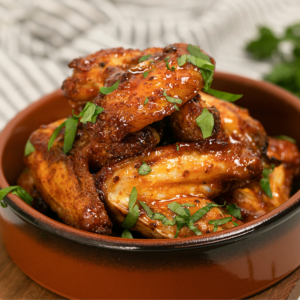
column 194, row 170
column 253, row 200
column 66, row 184
column 125, row 110
column 90, row 72
column 238, row 125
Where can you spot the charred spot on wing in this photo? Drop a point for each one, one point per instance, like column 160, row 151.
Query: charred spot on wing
column 170, row 49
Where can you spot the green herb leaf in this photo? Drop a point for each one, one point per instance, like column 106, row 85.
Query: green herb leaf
column 131, row 218
column 202, row 211
column 224, row 96
column 144, row 169
column 156, row 216
column 29, row 148
column 219, row 222
column 234, row 210
column 194, row 229
column 108, row 90
column 70, row 133
column 176, row 107
column 181, row 60
column 145, row 57
column 127, row 234
column 265, row 183
column 287, row 138
column 146, row 101
column 206, row 123
column 235, row 224
column 55, row 134
column 172, row 100
column 167, row 64
column 177, row 147
column 178, row 209
column 133, row 210
column 195, row 51
column 265, row 45
column 18, row 191
column 90, row 113
column 145, row 74
column 180, row 222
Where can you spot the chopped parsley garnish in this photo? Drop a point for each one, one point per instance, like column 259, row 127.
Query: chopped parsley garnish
column 133, row 213
column 265, row 182
column 15, row 190
column 177, row 147
column 145, row 57
column 146, row 101
column 167, row 64
column 234, row 210
column 183, row 217
column 287, row 138
column 88, row 114
column 206, row 123
column 29, row 148
column 219, row 222
column 108, row 90
column 144, row 169
column 172, row 100
column 202, row 61
column 156, row 216
column 235, row 224
column 145, row 74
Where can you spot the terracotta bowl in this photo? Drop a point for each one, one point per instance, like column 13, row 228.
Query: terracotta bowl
column 235, row 263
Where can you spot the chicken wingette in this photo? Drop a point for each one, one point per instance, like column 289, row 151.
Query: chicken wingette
column 90, row 72
column 144, row 97
column 202, row 171
column 253, row 200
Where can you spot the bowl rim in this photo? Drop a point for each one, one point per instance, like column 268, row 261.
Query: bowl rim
column 36, row 218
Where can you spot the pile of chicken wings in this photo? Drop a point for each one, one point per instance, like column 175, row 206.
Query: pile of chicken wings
column 90, row 186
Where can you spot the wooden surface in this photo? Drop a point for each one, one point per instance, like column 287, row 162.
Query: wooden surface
column 14, row 284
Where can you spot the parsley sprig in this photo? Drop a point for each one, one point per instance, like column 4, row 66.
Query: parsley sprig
column 167, row 64
column 268, row 45
column 15, row 190
column 88, row 114
column 202, row 61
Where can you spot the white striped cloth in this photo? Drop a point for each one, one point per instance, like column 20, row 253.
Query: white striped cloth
column 39, row 38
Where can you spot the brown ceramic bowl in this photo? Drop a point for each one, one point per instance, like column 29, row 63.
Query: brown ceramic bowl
column 235, row 263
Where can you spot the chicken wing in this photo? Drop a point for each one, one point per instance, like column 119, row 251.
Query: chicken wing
column 238, row 125
column 66, row 184
column 90, row 72
column 253, row 200
column 184, row 125
column 196, row 170
column 125, row 110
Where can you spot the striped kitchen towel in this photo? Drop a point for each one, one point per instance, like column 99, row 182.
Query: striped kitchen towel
column 39, row 38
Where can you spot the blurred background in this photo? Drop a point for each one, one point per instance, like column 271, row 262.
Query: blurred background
column 39, row 38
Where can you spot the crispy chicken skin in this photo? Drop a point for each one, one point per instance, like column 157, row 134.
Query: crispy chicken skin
column 90, row 72
column 26, row 181
column 238, row 125
column 124, row 109
column 66, row 184
column 195, row 170
column 253, row 201
column 184, row 125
